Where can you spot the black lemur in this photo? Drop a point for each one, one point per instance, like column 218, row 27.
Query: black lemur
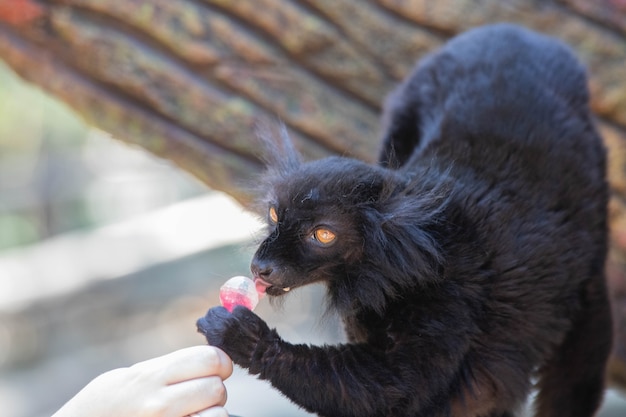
column 466, row 266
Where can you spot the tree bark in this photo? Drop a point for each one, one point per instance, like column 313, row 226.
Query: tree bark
column 188, row 79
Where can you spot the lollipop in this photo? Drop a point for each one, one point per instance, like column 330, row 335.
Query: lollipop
column 239, row 291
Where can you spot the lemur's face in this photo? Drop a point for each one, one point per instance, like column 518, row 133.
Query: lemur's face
column 314, row 225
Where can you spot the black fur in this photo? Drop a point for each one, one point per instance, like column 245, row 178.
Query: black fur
column 468, row 262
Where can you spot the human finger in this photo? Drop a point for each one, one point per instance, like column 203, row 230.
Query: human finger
column 211, row 412
column 196, row 394
column 189, row 363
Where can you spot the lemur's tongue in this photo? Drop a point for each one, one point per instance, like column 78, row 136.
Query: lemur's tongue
column 261, row 286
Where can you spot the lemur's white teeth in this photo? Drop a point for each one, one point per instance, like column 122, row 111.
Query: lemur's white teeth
column 287, row 289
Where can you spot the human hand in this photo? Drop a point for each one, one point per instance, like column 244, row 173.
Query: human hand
column 241, row 334
column 184, row 382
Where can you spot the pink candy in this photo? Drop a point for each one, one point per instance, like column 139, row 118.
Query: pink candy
column 239, row 291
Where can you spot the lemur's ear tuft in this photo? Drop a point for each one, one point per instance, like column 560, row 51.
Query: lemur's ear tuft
column 278, row 151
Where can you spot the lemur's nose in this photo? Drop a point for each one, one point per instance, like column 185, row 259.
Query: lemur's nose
column 261, row 269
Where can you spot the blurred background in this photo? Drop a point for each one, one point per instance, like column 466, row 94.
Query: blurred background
column 107, row 258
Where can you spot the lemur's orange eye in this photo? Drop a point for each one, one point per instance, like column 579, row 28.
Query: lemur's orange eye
column 324, row 236
column 273, row 215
